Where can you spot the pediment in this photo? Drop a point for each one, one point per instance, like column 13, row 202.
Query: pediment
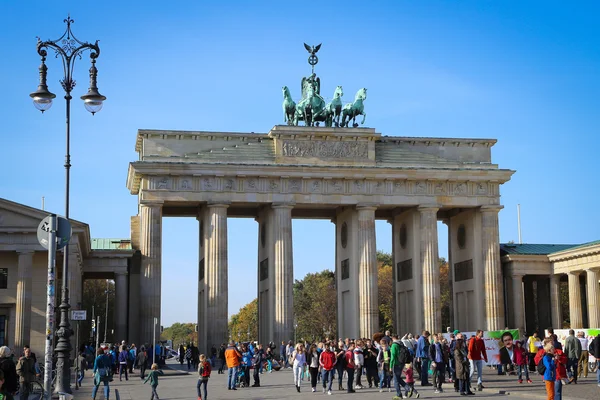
column 19, row 217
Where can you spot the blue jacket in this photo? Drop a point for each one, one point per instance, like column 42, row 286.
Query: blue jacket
column 550, row 373
column 422, row 347
column 247, row 357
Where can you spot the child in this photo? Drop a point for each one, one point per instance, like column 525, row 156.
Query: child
column 153, row 377
column 410, row 380
column 3, row 394
column 520, row 360
column 204, row 370
column 383, row 363
column 550, row 372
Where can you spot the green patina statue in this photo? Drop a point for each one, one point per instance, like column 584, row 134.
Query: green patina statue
column 351, row 111
column 289, row 106
column 334, row 108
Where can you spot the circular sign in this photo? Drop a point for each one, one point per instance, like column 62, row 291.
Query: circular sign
column 313, row 59
column 344, row 235
column 403, row 236
column 461, row 236
column 63, row 232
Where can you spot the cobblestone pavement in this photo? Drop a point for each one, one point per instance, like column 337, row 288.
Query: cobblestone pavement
column 279, row 385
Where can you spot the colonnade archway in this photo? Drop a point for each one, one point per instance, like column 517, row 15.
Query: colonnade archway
column 352, row 177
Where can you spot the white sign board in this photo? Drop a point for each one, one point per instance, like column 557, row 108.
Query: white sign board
column 78, row 315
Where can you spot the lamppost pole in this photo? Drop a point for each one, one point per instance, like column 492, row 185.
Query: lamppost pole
column 68, row 48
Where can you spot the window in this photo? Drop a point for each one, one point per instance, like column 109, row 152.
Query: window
column 3, row 278
column 404, row 270
column 463, row 271
column 346, row 269
column 264, row 269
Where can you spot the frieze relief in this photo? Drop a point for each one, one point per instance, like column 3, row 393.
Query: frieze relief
column 336, row 186
column 325, row 149
column 420, row 187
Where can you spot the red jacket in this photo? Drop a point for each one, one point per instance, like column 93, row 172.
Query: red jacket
column 477, row 349
column 520, row 356
column 561, row 364
column 327, row 360
column 349, row 359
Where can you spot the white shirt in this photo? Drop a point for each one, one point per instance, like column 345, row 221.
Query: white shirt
column 584, row 343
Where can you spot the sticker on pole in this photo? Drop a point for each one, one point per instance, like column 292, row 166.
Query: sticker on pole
column 79, row 315
column 63, row 233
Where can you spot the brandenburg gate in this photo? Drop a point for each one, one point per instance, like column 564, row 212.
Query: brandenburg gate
column 351, row 176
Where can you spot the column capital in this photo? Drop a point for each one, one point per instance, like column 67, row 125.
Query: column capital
column 152, row 203
column 218, row 204
column 283, row 205
column 575, row 273
column 491, row 208
column 428, row 207
column 367, row 206
column 593, row 269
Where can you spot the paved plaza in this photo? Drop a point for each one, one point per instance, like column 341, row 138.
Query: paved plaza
column 279, row 385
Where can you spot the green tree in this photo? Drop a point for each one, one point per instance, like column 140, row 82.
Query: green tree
column 385, row 290
column 94, row 298
column 243, row 326
column 445, row 292
column 315, row 306
column 180, row 333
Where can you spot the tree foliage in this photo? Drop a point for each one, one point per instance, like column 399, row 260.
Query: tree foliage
column 315, row 306
column 445, row 292
column 385, row 289
column 94, row 297
column 180, row 333
column 243, row 326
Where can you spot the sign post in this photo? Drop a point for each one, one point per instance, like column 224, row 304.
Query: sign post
column 154, row 340
column 77, row 315
column 53, row 234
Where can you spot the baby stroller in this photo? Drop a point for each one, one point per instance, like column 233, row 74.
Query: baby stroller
column 241, row 378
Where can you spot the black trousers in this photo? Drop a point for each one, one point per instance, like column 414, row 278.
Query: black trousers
column 256, row 375
column 314, row 371
column 350, row 372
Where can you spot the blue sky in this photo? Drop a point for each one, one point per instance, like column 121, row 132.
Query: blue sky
column 525, row 73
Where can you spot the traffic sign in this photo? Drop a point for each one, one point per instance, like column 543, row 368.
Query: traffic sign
column 63, row 233
column 78, row 315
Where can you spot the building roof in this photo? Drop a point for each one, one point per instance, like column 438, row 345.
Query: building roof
column 533, row 249
column 111, row 244
column 588, row 244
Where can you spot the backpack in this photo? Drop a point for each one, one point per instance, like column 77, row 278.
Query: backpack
column 541, row 367
column 404, row 355
column 205, row 369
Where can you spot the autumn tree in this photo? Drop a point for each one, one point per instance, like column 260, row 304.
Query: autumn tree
column 243, row 326
column 180, row 333
column 385, row 292
column 315, row 306
column 445, row 292
column 94, row 298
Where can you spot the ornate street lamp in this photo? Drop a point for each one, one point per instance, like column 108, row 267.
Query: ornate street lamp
column 68, row 48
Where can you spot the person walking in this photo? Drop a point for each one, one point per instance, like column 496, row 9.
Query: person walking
column 204, row 370
column 399, row 357
column 462, row 367
column 26, row 370
column 349, row 363
column 131, row 358
column 410, row 380
column 549, row 370
column 340, row 364
column 188, row 356
column 102, row 373
column 383, row 365
column 153, row 378
column 595, row 351
column 438, row 363
column 81, row 367
column 221, row 358
column 327, row 361
column 141, row 359
column 370, row 353
column 299, row 361
column 359, row 362
column 123, row 356
column 477, row 355
column 312, row 360
column 181, row 354
column 520, row 360
column 573, row 351
column 422, row 355
column 582, row 366
column 8, row 367
column 232, row 358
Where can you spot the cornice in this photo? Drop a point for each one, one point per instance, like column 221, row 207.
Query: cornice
column 574, row 253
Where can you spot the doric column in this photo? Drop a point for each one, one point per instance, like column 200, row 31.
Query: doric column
column 150, row 277
column 367, row 272
column 518, row 303
column 555, row 310
column 575, row 300
column 430, row 269
column 283, row 267
column 215, row 264
column 490, row 243
column 121, row 302
column 23, row 309
column 593, row 297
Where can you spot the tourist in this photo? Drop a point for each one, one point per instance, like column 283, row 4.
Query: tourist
column 181, row 354
column 477, row 355
column 383, row 363
column 213, row 355
column 269, row 358
column 506, row 353
column 131, row 357
column 573, row 351
column 582, row 365
column 123, row 356
column 8, row 367
column 595, row 351
column 102, row 373
column 299, row 360
column 462, row 367
column 349, row 363
column 221, row 358
column 247, row 356
column 370, row 353
column 26, row 370
column 232, row 357
column 204, row 370
column 520, row 360
column 549, row 370
column 438, row 363
column 533, row 345
column 359, row 362
column 141, row 360
column 256, row 363
column 387, row 338
column 340, row 364
column 410, row 380
column 561, row 362
column 289, row 350
column 312, row 360
column 327, row 361
column 153, row 378
column 399, row 357
column 81, row 367
column 556, row 343
column 422, row 354
column 188, row 356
